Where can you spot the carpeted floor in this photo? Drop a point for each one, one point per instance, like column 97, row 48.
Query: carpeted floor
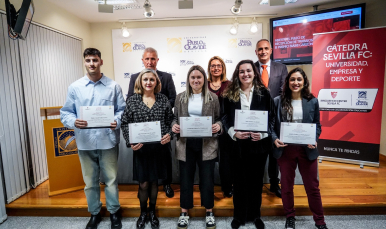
column 271, row 222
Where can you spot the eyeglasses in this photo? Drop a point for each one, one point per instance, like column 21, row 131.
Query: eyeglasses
column 216, row 66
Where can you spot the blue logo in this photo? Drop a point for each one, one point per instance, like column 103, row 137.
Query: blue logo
column 64, row 142
column 362, row 94
column 186, row 62
column 228, row 61
column 137, row 47
column 183, row 84
column 127, row 75
column 193, row 45
column 245, row 43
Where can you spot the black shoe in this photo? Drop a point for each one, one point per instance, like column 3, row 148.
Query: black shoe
column 153, row 220
column 168, row 190
column 259, row 223
column 324, row 226
column 94, row 221
column 210, row 221
column 275, row 188
column 236, row 224
column 290, row 223
column 228, row 194
column 115, row 221
column 141, row 222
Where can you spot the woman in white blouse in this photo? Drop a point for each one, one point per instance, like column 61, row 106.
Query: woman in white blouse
column 297, row 104
column 197, row 101
column 250, row 149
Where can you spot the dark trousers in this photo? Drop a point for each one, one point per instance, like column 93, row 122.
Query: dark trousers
column 296, row 156
column 187, row 171
column 249, row 164
column 225, row 168
column 169, row 167
column 273, row 169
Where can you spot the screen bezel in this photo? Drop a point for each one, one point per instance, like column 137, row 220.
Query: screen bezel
column 272, row 20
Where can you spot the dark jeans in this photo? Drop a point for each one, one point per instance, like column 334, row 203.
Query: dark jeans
column 296, row 156
column 206, row 173
column 225, row 168
column 169, row 168
column 249, row 164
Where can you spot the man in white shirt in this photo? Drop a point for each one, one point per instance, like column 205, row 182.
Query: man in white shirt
column 276, row 75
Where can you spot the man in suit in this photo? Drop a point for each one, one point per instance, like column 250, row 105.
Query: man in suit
column 273, row 74
column 150, row 60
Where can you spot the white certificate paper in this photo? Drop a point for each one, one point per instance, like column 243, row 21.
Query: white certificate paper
column 143, row 132
column 251, row 120
column 298, row 133
column 196, row 126
column 97, row 116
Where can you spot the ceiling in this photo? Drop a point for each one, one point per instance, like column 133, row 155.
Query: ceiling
column 88, row 9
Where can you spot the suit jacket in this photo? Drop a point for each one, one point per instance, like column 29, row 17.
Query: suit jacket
column 210, row 144
column 277, row 74
column 167, row 85
column 310, row 115
column 259, row 102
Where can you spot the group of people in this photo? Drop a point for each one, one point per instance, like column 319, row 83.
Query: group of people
column 264, row 85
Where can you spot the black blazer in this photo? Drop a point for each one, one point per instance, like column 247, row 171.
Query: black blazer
column 310, row 115
column 167, row 85
column 277, row 75
column 259, row 102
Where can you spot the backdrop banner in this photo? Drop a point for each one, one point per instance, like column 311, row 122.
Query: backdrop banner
column 348, row 77
column 181, row 47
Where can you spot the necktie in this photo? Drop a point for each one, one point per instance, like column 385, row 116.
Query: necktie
column 264, row 75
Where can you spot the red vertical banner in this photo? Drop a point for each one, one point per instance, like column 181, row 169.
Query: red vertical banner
column 347, row 77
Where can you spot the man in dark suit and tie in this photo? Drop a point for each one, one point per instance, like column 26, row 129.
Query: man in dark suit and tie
column 150, row 60
column 273, row 74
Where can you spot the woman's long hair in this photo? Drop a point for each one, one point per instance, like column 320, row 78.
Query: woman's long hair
column 189, row 91
column 233, row 89
column 286, row 95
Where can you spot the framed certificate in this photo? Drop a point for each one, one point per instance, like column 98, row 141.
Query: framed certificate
column 196, row 126
column 97, row 116
column 251, row 120
column 143, row 132
column 298, row 133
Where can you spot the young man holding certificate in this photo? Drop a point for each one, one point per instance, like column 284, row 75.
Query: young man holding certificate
column 93, row 108
column 299, row 119
column 197, row 122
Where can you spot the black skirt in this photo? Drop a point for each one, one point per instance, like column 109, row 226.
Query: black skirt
column 149, row 162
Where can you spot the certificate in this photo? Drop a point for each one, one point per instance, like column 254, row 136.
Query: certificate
column 143, row 132
column 196, row 126
column 97, row 116
column 298, row 133
column 251, row 120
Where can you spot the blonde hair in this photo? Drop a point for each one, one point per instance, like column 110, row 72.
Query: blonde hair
column 138, row 89
column 206, row 96
column 224, row 71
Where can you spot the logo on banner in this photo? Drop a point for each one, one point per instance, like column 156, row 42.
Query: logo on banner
column 232, row 43
column 245, row 42
column 174, row 45
column 195, row 44
column 228, row 61
column 183, row 84
column 127, row 47
column 334, row 94
column 186, row 62
column 362, row 94
column 64, row 142
column 139, row 47
column 127, row 75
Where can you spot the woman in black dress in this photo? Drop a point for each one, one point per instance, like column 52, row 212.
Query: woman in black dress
column 250, row 149
column 149, row 165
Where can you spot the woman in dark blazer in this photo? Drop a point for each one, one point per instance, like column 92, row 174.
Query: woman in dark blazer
column 250, row 150
column 297, row 104
column 197, row 101
column 149, row 165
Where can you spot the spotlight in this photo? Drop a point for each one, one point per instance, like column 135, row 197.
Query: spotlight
column 253, row 28
column 236, row 8
column 125, row 31
column 148, row 11
column 234, row 29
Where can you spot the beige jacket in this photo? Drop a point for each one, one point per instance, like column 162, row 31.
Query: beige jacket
column 209, row 145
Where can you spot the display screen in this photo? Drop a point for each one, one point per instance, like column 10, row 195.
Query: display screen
column 292, row 36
